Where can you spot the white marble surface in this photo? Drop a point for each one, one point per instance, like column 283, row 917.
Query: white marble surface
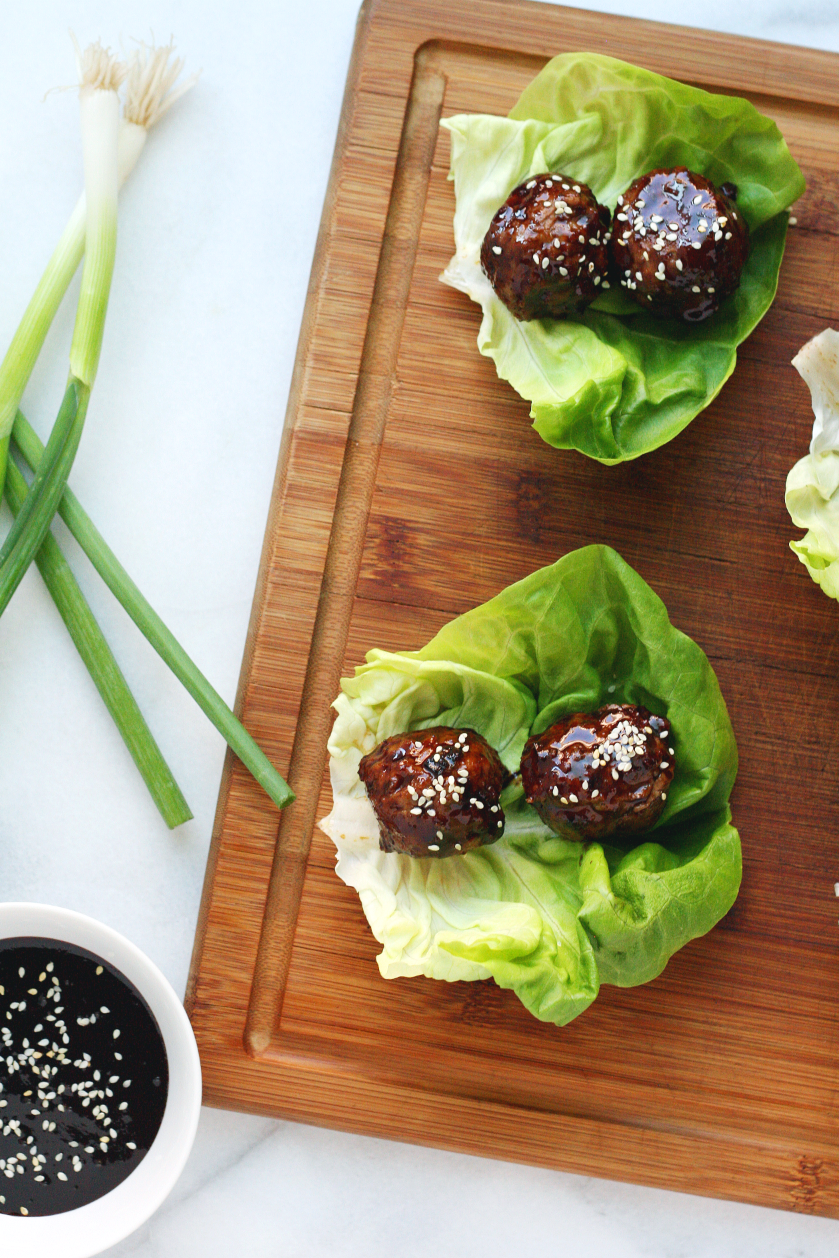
column 176, row 466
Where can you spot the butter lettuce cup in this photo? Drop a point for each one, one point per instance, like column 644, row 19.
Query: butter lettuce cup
column 547, row 917
column 615, row 382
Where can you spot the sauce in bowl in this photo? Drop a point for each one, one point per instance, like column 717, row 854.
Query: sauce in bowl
column 83, row 1077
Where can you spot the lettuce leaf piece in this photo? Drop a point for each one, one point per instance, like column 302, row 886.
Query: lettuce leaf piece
column 615, row 382
column 548, row 918
column 811, row 493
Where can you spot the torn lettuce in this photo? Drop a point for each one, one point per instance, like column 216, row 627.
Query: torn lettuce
column 615, row 382
column 547, row 918
column 811, row 494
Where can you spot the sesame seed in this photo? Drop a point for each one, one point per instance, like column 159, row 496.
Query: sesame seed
column 695, row 288
column 532, row 183
column 663, row 795
column 458, row 847
column 563, row 270
column 615, row 774
column 415, row 812
column 434, row 847
column 594, row 794
column 665, row 764
column 793, row 221
column 536, row 258
column 697, row 198
column 563, row 801
column 545, row 262
column 697, row 244
column 573, row 799
column 496, row 248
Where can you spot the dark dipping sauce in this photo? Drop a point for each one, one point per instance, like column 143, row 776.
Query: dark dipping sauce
column 83, row 1077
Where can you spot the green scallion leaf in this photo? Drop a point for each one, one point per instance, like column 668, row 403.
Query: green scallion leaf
column 147, row 620
column 100, row 662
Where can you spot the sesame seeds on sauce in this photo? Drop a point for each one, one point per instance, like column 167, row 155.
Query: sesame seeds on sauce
column 545, row 252
column 83, row 1077
column 600, row 773
column 686, row 224
column 435, row 791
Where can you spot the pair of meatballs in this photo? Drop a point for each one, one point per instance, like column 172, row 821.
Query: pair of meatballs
column 436, row 792
column 678, row 245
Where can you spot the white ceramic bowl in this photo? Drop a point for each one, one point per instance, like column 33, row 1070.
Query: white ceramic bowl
column 90, row 1229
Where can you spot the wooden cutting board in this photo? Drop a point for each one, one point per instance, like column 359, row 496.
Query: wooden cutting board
column 722, row 1076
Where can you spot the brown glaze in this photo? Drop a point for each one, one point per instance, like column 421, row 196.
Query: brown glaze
column 435, row 791
column 545, row 252
column 679, row 243
column 596, row 774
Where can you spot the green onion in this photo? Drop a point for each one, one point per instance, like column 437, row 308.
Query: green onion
column 150, row 92
column 150, row 624
column 99, row 109
column 100, row 662
column 150, row 89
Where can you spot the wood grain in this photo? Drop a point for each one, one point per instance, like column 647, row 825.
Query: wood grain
column 721, row 1076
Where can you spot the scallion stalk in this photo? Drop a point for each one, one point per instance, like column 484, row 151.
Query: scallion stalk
column 101, row 77
column 150, row 624
column 150, row 91
column 100, row 662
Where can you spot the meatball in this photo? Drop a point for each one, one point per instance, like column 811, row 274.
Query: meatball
column 600, row 773
column 435, row 791
column 546, row 251
column 680, row 243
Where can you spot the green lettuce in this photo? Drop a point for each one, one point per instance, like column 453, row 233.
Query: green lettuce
column 616, row 382
column 812, row 489
column 548, row 918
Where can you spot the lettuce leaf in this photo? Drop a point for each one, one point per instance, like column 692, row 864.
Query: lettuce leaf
column 811, row 494
column 615, row 382
column 547, row 918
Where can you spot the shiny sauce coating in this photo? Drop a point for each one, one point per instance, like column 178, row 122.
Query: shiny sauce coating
column 679, row 243
column 597, row 774
column 435, row 791
column 546, row 250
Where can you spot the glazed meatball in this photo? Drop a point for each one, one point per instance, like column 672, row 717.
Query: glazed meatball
column 680, row 243
column 435, row 791
column 546, row 251
column 601, row 773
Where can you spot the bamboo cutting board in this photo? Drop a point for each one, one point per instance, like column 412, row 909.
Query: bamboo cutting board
column 722, row 1076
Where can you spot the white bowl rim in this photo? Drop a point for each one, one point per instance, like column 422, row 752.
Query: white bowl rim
column 92, row 1228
